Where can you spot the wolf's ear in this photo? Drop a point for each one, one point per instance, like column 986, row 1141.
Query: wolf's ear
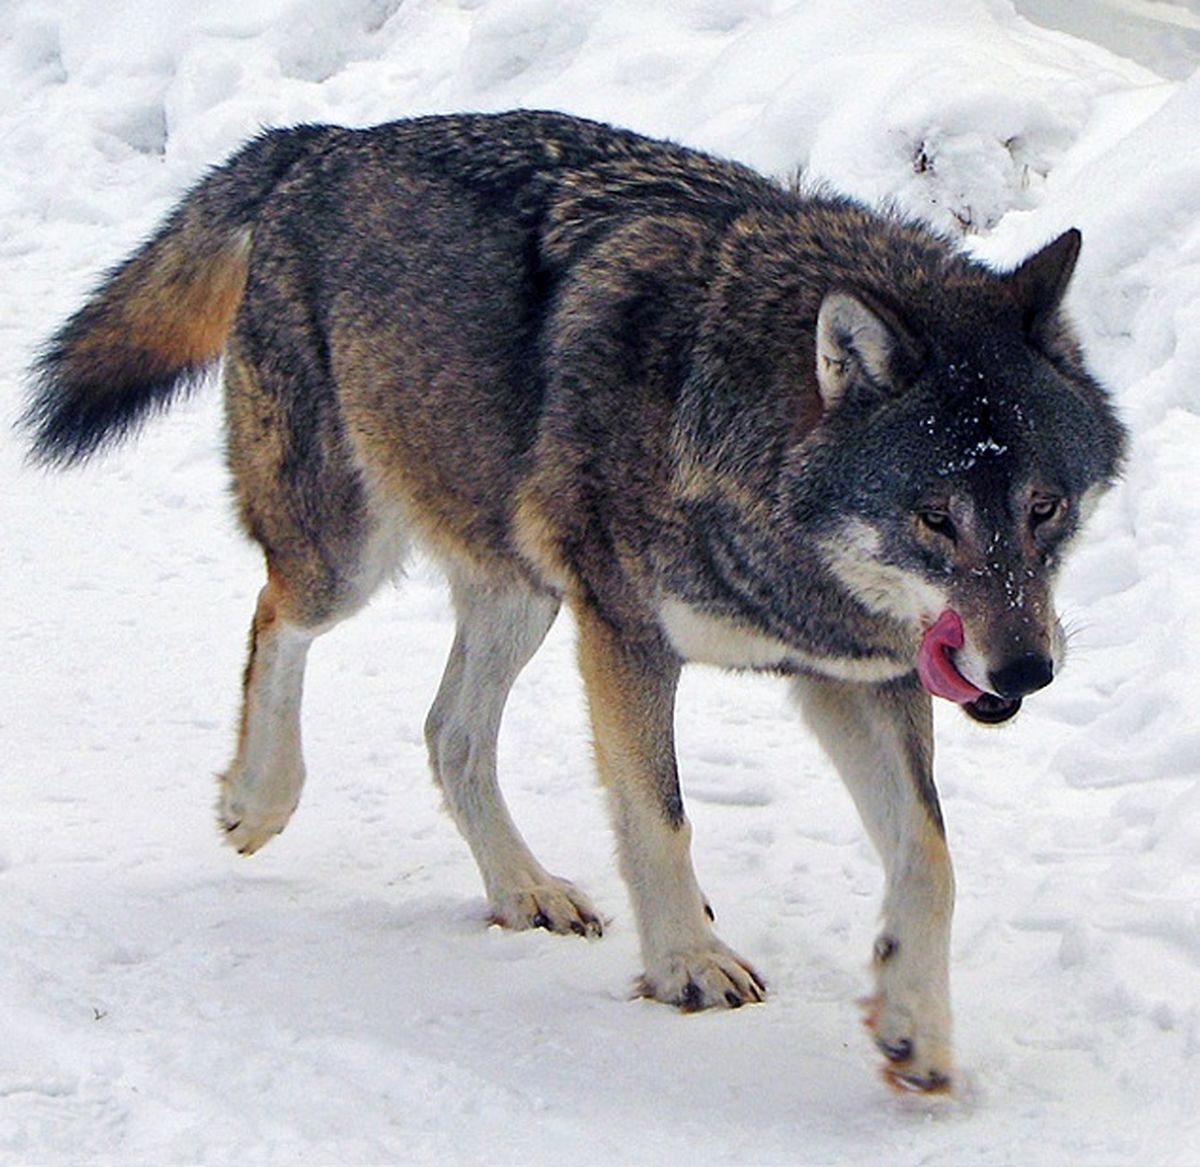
column 859, row 343
column 1039, row 284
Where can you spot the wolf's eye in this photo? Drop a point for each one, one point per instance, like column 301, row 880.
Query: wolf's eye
column 937, row 521
column 1046, row 509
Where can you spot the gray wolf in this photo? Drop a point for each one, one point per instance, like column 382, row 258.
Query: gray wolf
column 724, row 421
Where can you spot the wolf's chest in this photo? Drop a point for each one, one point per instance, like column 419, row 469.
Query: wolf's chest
column 704, row 638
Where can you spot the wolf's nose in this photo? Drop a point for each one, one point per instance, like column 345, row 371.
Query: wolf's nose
column 1024, row 674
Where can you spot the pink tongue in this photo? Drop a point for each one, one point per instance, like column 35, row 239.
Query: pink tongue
column 934, row 667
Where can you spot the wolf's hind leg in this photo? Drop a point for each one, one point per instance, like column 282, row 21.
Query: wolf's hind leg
column 302, row 497
column 499, row 629
column 304, row 597
column 260, row 789
column 880, row 738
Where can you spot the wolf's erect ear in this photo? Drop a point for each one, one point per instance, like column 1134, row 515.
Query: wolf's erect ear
column 859, row 343
column 1040, row 283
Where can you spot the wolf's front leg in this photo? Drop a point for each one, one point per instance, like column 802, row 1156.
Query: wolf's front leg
column 630, row 680
column 880, row 737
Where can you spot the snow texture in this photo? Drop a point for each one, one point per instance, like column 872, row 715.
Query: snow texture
column 339, row 999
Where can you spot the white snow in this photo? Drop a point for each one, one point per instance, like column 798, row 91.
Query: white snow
column 339, row 999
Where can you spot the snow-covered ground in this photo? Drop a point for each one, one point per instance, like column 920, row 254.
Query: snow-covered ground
column 339, row 999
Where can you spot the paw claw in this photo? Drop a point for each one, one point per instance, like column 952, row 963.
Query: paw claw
column 932, row 1083
column 556, row 906
column 706, row 977
column 913, row 1060
column 246, row 833
column 899, row 1052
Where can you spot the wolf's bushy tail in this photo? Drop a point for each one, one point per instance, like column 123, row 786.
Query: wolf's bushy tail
column 159, row 320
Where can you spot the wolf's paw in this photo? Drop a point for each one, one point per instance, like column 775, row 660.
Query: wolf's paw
column 246, row 829
column 556, row 905
column 705, row 977
column 918, row 1056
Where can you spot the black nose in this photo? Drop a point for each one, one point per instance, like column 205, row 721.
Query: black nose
column 1024, row 674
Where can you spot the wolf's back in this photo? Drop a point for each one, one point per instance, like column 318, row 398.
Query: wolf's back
column 159, row 319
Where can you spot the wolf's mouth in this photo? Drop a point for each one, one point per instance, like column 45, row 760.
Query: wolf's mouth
column 992, row 710
column 941, row 677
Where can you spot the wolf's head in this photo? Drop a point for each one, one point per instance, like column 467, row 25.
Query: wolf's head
column 975, row 443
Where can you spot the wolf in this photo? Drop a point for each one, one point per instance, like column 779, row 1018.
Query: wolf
column 724, row 420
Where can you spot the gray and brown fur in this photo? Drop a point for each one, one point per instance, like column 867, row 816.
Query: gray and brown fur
column 722, row 419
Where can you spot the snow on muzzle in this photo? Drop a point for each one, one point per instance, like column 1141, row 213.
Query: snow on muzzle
column 940, row 675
